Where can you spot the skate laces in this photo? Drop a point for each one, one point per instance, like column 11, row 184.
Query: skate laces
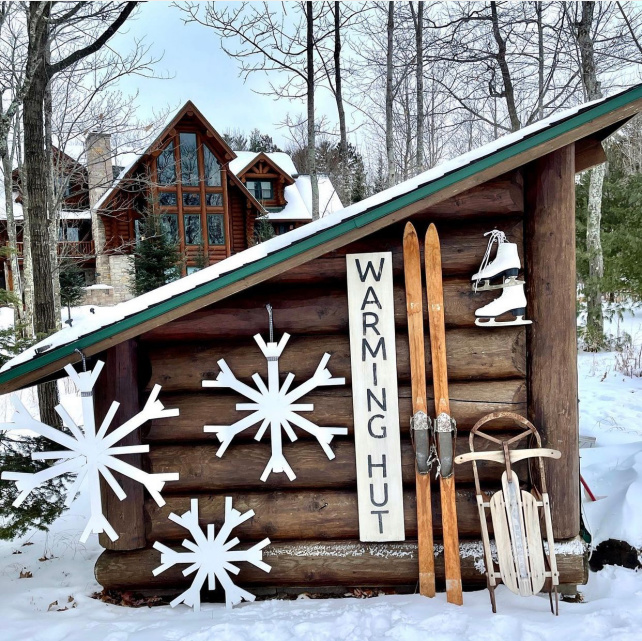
column 496, row 236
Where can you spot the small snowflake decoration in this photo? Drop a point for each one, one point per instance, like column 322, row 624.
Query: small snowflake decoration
column 212, row 556
column 275, row 407
column 90, row 454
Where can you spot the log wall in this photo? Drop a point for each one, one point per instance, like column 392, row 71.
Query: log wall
column 487, row 372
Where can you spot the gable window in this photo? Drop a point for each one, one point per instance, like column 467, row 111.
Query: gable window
column 215, row 229
column 212, row 169
column 167, row 198
column 169, row 227
column 189, row 159
column 166, row 167
column 191, row 199
column 214, row 200
column 260, row 189
column 192, row 223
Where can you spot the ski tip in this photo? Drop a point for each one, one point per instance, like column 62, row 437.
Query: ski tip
column 409, row 230
column 432, row 237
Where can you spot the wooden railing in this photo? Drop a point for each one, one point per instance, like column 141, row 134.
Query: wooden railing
column 68, row 248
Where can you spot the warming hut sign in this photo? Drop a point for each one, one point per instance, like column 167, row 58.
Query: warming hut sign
column 374, row 396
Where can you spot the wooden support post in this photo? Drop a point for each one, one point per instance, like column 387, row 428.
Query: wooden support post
column 119, row 382
column 551, row 340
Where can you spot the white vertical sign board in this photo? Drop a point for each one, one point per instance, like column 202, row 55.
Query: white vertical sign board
column 375, row 401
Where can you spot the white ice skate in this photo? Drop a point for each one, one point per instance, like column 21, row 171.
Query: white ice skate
column 512, row 300
column 503, row 268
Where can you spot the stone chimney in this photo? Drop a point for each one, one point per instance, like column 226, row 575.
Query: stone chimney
column 99, row 178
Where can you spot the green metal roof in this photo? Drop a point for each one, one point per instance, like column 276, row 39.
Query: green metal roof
column 550, row 132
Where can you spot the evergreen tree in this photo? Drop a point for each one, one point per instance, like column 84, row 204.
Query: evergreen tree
column 263, row 230
column 261, row 142
column 157, row 259
column 621, row 222
column 46, row 502
column 72, row 285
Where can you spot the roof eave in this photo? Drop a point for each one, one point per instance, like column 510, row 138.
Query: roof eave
column 602, row 115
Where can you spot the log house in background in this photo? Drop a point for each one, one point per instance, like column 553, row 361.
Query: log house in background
column 524, row 185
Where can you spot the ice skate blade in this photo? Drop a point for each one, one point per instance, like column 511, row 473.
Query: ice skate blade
column 487, row 287
column 491, row 322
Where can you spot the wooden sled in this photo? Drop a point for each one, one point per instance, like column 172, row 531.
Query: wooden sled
column 523, row 563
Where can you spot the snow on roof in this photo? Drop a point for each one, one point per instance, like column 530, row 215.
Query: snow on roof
column 110, row 315
column 121, row 176
column 280, row 158
column 18, row 213
column 299, row 200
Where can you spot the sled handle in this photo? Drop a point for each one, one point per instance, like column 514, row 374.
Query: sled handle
column 497, row 456
column 529, row 430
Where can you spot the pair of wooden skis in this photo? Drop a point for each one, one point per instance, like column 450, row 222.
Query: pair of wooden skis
column 443, row 426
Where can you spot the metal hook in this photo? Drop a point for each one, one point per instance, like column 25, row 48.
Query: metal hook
column 84, row 360
column 271, row 321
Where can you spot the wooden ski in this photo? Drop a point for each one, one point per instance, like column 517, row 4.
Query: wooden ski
column 420, row 425
column 443, row 425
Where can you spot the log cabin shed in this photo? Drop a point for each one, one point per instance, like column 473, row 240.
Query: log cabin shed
column 523, row 184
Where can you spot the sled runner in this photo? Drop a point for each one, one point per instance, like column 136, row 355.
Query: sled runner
column 523, row 562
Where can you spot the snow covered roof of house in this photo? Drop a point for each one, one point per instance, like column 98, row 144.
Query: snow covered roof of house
column 298, row 196
column 260, row 262
column 245, row 159
column 18, row 213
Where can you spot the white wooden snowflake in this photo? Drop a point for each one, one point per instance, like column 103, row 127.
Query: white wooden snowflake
column 90, row 454
column 212, row 556
column 275, row 406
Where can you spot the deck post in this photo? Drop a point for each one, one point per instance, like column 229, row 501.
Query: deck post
column 119, row 382
column 551, row 340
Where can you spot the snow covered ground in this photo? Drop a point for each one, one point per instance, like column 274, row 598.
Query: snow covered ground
column 53, row 603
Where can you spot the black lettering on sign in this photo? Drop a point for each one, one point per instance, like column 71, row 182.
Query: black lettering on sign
column 370, row 268
column 374, row 374
column 379, row 513
column 382, row 404
column 370, row 325
column 382, row 433
column 381, row 345
column 385, row 495
column 370, row 298
column 372, row 465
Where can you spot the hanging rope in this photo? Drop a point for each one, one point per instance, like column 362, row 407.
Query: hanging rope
column 496, row 236
column 271, row 321
column 84, row 360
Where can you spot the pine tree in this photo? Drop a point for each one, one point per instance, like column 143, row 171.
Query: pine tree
column 72, row 285
column 45, row 503
column 261, row 142
column 157, row 259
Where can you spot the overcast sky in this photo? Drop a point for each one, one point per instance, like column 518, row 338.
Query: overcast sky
column 200, row 71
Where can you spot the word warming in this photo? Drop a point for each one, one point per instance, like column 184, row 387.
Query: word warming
column 375, row 400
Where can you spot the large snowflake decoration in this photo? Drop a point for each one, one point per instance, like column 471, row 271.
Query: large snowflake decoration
column 275, row 406
column 90, row 454
column 211, row 555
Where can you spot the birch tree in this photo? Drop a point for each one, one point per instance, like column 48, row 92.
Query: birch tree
column 41, row 27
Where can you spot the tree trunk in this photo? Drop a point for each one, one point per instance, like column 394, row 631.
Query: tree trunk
column 540, row 60
column 36, row 169
column 312, row 145
column 508, row 92
column 52, row 202
column 419, row 35
column 389, row 96
column 13, row 236
column 346, row 197
column 594, row 318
